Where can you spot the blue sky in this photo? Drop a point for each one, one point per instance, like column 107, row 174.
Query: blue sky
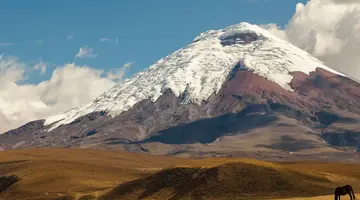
column 146, row 30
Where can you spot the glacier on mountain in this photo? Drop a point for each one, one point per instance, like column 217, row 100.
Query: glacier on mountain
column 201, row 68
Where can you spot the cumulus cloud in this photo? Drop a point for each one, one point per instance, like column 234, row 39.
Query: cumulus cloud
column 6, row 44
column 346, row 1
column 328, row 29
column 40, row 66
column 118, row 74
column 11, row 71
column 86, row 52
column 69, row 86
column 275, row 30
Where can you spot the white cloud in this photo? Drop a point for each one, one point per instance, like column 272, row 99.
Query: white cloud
column 118, row 74
column 41, row 66
column 11, row 71
column 116, row 40
column 275, row 30
column 6, row 44
column 85, row 52
column 105, row 39
column 69, row 86
column 70, row 37
column 328, row 29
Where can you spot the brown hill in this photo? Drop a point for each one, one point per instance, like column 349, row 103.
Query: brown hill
column 226, row 181
column 50, row 173
column 80, row 174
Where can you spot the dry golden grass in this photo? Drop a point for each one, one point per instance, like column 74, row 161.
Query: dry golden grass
column 223, row 180
column 53, row 172
column 82, row 174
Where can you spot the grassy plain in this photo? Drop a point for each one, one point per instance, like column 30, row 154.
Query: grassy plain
column 80, row 174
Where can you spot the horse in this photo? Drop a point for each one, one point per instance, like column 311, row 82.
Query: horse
column 344, row 190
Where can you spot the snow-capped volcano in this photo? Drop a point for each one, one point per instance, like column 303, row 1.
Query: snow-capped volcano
column 230, row 92
column 200, row 69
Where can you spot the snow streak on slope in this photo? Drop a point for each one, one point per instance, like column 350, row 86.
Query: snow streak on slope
column 201, row 68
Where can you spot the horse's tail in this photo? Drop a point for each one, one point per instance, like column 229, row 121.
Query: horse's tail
column 352, row 191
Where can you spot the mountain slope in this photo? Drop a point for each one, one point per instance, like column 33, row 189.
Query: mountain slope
column 238, row 91
column 200, row 69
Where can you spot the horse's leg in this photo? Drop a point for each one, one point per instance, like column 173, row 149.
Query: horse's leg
column 349, row 191
column 354, row 197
